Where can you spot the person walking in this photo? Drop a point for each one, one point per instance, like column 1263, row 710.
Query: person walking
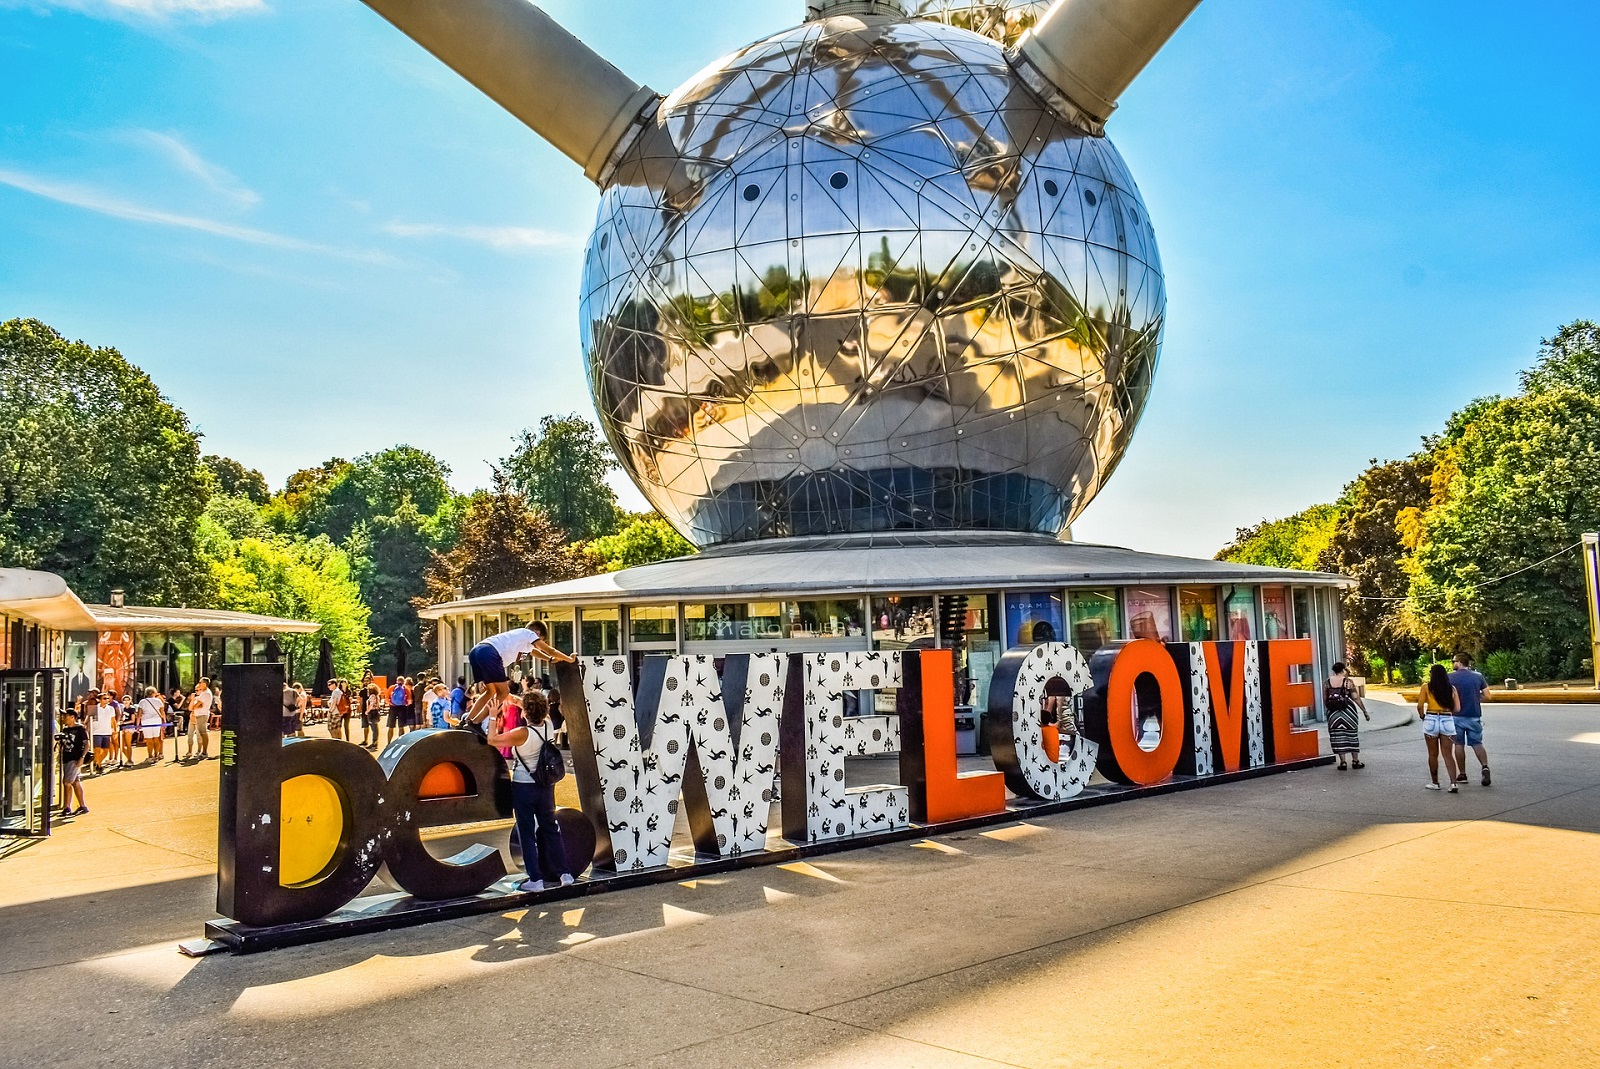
column 371, row 710
column 102, row 728
column 533, row 793
column 74, row 748
column 338, row 709
column 1342, row 701
column 399, row 708
column 152, row 723
column 1470, row 688
column 1436, row 708
column 128, row 723
column 198, row 746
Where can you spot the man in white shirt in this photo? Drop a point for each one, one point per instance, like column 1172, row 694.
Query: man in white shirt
column 335, row 717
column 490, row 657
column 102, row 727
column 200, row 703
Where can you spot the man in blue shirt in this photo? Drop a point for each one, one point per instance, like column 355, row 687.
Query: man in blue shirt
column 458, row 698
column 1471, row 687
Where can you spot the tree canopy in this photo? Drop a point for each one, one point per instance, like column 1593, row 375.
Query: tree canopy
column 645, row 539
column 100, row 476
column 561, row 470
column 504, row 545
column 1296, row 541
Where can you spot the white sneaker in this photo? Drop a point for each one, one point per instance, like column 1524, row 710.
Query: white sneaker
column 531, row 885
column 1431, row 786
column 566, row 879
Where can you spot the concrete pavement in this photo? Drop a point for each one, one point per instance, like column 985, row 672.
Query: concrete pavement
column 1319, row 918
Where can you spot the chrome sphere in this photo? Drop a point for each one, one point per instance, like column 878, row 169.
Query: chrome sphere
column 1000, row 20
column 881, row 286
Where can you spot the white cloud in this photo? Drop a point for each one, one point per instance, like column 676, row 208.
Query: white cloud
column 186, row 159
column 206, row 10
column 108, row 204
column 499, row 238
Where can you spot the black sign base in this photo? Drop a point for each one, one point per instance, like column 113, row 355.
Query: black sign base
column 384, row 912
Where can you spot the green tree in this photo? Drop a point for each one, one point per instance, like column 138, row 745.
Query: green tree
column 378, row 484
column 1569, row 360
column 1519, row 484
column 100, row 476
column 236, row 480
column 1372, row 544
column 646, row 538
column 388, row 556
column 562, row 472
column 504, row 545
column 304, row 580
column 238, row 516
column 1296, row 541
column 301, row 507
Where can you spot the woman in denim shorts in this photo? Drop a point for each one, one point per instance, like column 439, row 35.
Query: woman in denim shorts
column 1437, row 705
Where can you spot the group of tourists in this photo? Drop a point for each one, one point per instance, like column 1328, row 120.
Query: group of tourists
column 1450, row 706
column 100, row 730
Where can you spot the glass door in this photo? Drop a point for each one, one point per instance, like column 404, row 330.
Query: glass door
column 27, row 749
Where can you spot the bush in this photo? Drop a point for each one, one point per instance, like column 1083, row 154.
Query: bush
column 1502, row 665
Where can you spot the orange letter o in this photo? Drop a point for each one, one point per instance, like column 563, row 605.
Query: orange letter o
column 1144, row 657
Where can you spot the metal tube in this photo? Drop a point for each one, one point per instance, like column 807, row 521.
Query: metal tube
column 525, row 62
column 1092, row 50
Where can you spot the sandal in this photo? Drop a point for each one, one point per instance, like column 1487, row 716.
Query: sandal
column 1341, row 768
column 1357, row 764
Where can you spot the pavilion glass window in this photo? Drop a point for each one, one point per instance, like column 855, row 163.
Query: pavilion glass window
column 1275, row 615
column 1096, row 617
column 1197, row 613
column 602, row 631
column 733, row 621
column 1240, row 606
column 899, row 620
column 1149, row 610
column 560, row 625
column 1034, row 616
column 652, row 623
column 824, row 619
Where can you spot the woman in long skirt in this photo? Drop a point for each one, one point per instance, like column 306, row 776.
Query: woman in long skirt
column 1344, row 728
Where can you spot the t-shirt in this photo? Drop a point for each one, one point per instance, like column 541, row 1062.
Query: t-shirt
column 458, row 701
column 1470, row 685
column 436, row 710
column 513, row 644
column 335, row 697
column 204, row 698
column 74, row 742
column 104, row 719
column 152, row 712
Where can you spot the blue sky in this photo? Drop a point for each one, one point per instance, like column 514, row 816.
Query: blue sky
column 321, row 242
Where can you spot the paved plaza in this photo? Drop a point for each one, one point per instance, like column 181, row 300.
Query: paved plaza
column 1320, row 918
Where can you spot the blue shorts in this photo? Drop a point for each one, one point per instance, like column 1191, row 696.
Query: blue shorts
column 487, row 667
column 1469, row 730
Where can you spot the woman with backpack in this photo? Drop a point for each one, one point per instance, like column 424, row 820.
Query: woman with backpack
column 1344, row 730
column 536, row 767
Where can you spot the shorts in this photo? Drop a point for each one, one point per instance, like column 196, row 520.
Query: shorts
column 1469, row 731
column 72, row 772
column 1442, row 725
column 102, row 742
column 399, row 715
column 487, row 667
column 291, row 724
column 151, row 732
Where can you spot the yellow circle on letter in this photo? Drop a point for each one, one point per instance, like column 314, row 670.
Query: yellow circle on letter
column 312, row 818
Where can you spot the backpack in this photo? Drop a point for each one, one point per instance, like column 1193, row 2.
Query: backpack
column 397, row 696
column 549, row 768
column 1338, row 699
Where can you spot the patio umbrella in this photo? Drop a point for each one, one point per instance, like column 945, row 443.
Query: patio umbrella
column 274, row 651
column 319, row 683
column 401, row 648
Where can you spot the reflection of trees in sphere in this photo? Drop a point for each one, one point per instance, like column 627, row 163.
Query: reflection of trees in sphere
column 999, row 20
column 884, row 287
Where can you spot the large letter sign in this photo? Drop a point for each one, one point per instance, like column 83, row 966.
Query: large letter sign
column 818, row 736
column 1015, row 722
column 308, row 824
column 305, row 824
column 712, row 740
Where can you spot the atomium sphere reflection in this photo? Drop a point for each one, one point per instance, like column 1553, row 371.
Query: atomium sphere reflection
column 999, row 20
column 884, row 287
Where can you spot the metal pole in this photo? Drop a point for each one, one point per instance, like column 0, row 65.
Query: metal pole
column 1591, row 586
